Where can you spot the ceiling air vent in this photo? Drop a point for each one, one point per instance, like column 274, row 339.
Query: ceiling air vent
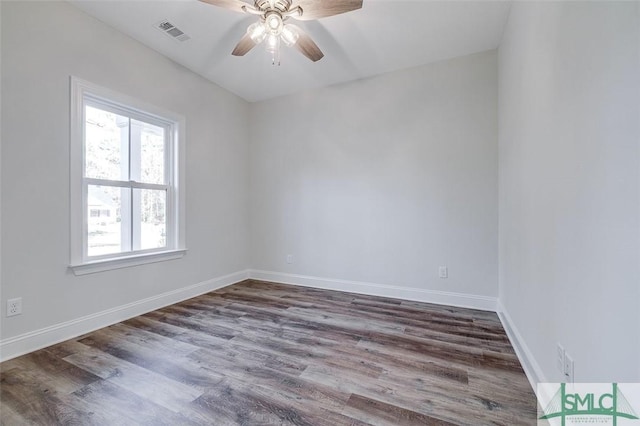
column 171, row 30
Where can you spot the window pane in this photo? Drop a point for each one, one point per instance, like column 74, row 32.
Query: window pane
column 147, row 152
column 153, row 218
column 106, row 145
column 106, row 230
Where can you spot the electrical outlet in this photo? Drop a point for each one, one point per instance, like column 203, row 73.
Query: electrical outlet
column 14, row 306
column 289, row 258
column 560, row 358
column 443, row 272
column 568, row 368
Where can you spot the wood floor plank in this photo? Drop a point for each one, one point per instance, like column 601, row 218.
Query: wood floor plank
column 382, row 414
column 465, row 355
column 401, row 395
column 236, row 403
column 122, row 333
column 260, row 353
column 11, row 417
column 39, row 402
column 191, row 323
column 65, row 380
column 153, row 326
column 246, row 370
column 147, row 384
column 125, row 407
column 353, row 322
column 165, row 363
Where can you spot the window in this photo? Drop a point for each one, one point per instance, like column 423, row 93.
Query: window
column 127, row 207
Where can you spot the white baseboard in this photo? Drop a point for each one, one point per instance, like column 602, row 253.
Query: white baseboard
column 38, row 339
column 484, row 303
column 529, row 364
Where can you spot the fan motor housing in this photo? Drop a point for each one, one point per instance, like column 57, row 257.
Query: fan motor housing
column 281, row 6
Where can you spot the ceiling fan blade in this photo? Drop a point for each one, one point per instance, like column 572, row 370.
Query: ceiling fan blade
column 306, row 45
column 244, row 45
column 314, row 9
column 236, row 5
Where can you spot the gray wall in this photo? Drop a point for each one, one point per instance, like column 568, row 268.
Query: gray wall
column 382, row 180
column 569, row 185
column 42, row 45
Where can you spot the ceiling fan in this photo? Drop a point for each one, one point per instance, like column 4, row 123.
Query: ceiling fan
column 273, row 28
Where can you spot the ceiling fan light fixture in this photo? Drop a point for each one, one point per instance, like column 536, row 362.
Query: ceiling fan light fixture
column 273, row 47
column 289, row 35
column 272, row 29
column 257, row 32
column 274, row 23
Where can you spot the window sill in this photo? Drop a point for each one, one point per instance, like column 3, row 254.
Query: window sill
column 126, row 262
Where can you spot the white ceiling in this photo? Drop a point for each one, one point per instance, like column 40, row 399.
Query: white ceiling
column 385, row 35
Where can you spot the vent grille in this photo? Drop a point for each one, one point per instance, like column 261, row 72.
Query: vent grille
column 171, row 30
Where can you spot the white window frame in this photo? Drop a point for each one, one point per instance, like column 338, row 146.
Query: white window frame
column 85, row 93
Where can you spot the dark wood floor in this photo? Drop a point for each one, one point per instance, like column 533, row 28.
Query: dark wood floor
column 259, row 353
